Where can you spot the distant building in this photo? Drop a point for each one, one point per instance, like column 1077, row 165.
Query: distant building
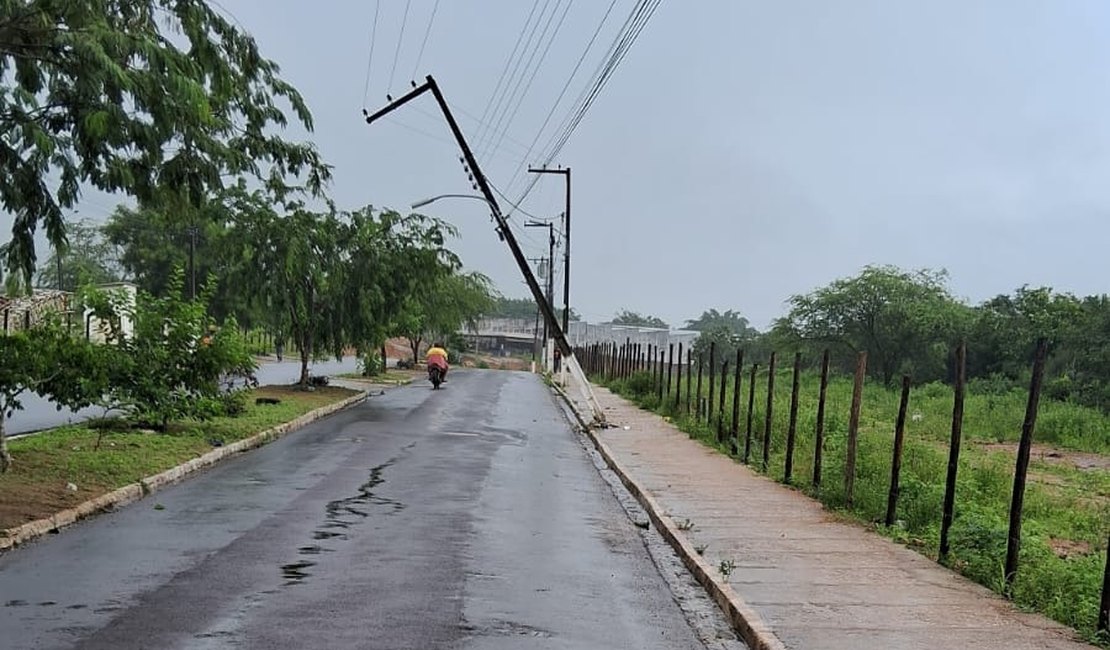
column 122, row 295
column 584, row 334
column 25, row 312
column 504, row 336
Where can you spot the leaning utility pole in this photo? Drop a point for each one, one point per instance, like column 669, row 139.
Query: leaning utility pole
column 503, row 229
column 566, row 236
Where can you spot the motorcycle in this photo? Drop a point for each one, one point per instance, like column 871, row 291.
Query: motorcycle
column 436, row 375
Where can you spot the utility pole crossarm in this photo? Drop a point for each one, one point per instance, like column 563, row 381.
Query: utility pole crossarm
column 401, row 101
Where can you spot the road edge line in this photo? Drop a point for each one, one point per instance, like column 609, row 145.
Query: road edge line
column 743, row 617
column 12, row 537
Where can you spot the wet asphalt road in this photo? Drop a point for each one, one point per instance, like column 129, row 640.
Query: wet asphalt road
column 470, row 517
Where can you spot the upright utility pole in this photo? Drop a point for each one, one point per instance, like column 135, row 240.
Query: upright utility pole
column 566, row 236
column 550, row 267
column 192, row 263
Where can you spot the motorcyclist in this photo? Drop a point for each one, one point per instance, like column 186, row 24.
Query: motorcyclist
column 437, row 357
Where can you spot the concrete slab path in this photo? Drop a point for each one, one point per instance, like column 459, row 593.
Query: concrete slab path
column 815, row 583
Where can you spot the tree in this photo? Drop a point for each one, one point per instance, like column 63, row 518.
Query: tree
column 731, row 321
column 286, row 266
column 159, row 99
column 47, row 361
column 173, row 363
column 906, row 321
column 88, row 257
column 626, row 317
column 441, row 308
column 152, row 243
column 329, row 279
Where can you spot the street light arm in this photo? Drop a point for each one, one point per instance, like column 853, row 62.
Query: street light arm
column 420, row 204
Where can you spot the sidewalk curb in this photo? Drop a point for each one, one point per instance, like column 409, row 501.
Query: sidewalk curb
column 13, row 537
column 743, row 618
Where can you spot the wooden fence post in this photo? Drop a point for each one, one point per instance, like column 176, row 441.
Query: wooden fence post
column 712, row 379
column 1104, row 604
column 670, row 368
column 735, row 432
column 896, row 463
column 949, row 507
column 1013, row 545
column 678, row 381
column 819, row 433
column 689, row 377
column 697, row 398
column 792, row 429
column 751, row 413
column 721, row 403
column 853, row 430
column 769, row 416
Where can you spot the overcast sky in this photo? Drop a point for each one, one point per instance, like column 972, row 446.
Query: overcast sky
column 743, row 151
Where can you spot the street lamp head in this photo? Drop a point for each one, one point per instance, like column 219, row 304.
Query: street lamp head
column 420, row 204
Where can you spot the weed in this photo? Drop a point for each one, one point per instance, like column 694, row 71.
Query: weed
column 686, row 525
column 726, row 567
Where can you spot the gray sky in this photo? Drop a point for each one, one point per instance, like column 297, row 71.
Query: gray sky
column 743, row 151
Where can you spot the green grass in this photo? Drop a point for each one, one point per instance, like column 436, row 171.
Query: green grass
column 35, row 486
column 1067, row 508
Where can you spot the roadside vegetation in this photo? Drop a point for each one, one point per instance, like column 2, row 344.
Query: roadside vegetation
column 909, row 324
column 225, row 223
column 63, row 467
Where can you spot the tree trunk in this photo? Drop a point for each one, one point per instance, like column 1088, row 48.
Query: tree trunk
column 414, row 343
column 304, row 365
column 5, row 456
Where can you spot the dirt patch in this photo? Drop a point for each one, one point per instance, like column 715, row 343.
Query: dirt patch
column 24, row 502
column 1065, row 548
column 1053, row 456
column 495, row 363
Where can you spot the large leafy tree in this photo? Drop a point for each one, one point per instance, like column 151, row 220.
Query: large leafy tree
column 626, row 317
column 152, row 243
column 523, row 308
column 906, row 320
column 88, row 257
column 329, row 280
column 731, row 321
column 159, row 99
column 439, row 309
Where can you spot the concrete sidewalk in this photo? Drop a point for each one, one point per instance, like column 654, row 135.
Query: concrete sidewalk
column 809, row 582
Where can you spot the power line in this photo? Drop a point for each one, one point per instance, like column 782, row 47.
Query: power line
column 427, row 32
column 508, row 62
column 642, row 15
column 535, row 70
column 629, row 33
column 562, row 92
column 400, row 39
column 518, row 145
column 370, row 58
column 512, row 75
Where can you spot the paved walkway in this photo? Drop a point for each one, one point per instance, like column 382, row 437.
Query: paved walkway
column 816, row 583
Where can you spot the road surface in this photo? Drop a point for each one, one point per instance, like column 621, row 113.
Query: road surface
column 471, row 517
column 41, row 413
